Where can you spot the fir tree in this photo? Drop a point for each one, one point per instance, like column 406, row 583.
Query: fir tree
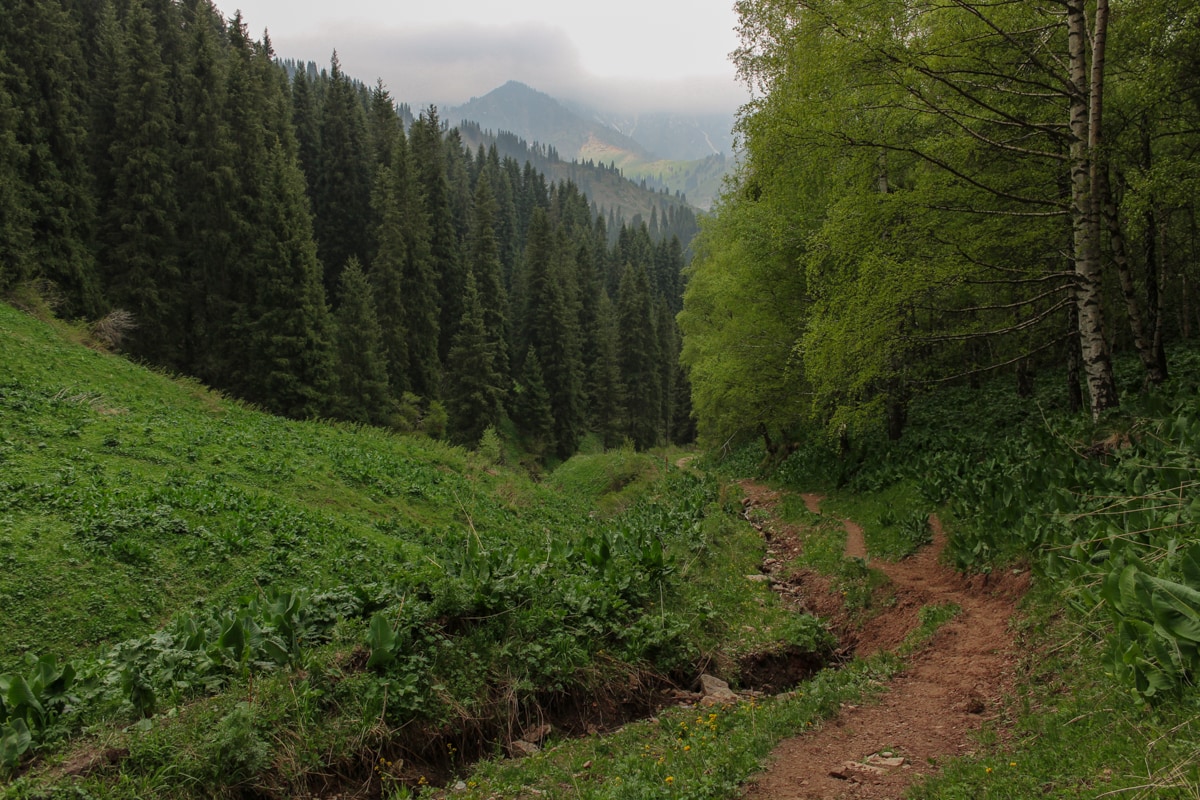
column 473, row 401
column 289, row 339
column 429, row 168
column 138, row 237
column 363, row 394
column 16, row 231
column 44, row 80
column 207, row 185
column 342, row 194
column 639, row 358
column 484, row 260
column 534, row 416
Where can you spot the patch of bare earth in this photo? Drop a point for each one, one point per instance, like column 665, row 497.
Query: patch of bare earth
column 929, row 711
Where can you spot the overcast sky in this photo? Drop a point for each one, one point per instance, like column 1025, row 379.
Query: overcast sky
column 640, row 54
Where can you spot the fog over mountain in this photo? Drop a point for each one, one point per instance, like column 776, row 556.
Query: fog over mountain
column 448, row 65
column 676, row 151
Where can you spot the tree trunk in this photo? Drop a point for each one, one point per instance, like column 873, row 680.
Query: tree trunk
column 1155, row 264
column 1086, row 117
column 1024, row 379
column 1074, row 390
column 1155, row 375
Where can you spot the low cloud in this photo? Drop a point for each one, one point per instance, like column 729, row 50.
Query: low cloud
column 449, row 65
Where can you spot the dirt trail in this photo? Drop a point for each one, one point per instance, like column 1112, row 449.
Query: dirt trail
column 928, row 712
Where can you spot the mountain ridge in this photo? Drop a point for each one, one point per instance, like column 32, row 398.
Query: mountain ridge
column 677, row 153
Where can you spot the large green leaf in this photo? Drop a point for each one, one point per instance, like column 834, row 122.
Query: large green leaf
column 1176, row 608
column 382, row 639
column 15, row 739
column 1191, row 563
column 20, row 695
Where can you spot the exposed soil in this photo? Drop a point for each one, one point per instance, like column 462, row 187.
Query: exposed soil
column 929, row 711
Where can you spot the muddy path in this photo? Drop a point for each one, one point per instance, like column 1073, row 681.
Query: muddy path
column 928, row 712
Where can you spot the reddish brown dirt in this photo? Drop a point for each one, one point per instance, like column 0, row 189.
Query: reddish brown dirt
column 958, row 681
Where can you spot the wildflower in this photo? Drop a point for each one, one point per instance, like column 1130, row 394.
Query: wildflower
column 1012, row 763
column 989, row 770
column 687, row 747
column 670, row 779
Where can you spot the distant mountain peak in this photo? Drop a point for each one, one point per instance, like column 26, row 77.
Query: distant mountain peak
column 674, row 151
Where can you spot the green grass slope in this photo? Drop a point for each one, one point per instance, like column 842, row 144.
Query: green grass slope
column 201, row 600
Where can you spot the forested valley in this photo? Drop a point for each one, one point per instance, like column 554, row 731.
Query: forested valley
column 283, row 235
column 343, row 454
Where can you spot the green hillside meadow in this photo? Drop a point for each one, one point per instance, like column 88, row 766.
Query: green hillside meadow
column 203, row 600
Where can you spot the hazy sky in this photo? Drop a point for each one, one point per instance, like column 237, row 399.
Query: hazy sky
column 670, row 54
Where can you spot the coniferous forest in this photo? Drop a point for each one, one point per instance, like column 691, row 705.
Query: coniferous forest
column 299, row 240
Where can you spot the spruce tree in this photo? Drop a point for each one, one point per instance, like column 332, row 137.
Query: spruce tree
column 535, row 419
column 552, row 331
column 307, row 121
column 363, row 394
column 607, row 390
column 639, row 358
column 429, row 167
column 484, row 260
column 473, row 399
column 404, row 280
column 16, row 231
column 138, row 250
column 44, row 80
column 289, row 339
column 207, row 184
column 230, row 289
column 668, row 364
column 342, row 194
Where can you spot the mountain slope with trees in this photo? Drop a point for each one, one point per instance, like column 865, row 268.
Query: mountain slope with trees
column 676, row 154
column 279, row 232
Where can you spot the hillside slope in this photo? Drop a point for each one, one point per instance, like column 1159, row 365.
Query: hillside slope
column 668, row 152
column 283, row 603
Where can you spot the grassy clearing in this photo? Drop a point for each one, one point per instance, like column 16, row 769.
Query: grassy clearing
column 254, row 605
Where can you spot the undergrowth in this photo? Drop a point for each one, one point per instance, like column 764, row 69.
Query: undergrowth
column 233, row 603
column 1108, row 515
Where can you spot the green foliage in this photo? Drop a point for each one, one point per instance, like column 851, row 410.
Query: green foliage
column 183, row 553
column 239, row 751
column 363, row 393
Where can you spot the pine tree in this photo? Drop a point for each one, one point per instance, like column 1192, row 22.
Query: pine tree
column 484, row 260
column 363, row 394
column 44, row 80
column 342, row 193
column 16, row 232
column 552, row 330
column 429, row 167
column 288, row 333
column 639, row 358
column 473, row 401
column 534, row 416
column 138, row 236
column 207, row 184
